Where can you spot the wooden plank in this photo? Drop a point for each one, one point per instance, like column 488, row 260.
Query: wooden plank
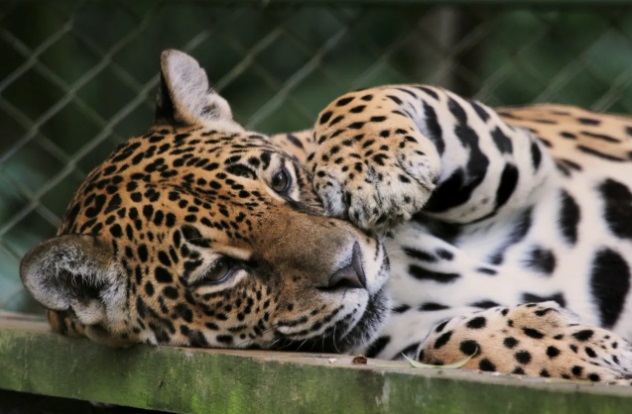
column 200, row 381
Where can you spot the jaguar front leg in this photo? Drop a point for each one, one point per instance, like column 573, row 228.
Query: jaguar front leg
column 372, row 165
column 381, row 155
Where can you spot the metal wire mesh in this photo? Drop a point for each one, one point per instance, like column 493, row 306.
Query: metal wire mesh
column 78, row 77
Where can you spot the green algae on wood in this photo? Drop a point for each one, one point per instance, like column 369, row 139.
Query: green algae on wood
column 226, row 381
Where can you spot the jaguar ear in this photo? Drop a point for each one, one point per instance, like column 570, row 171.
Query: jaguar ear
column 76, row 272
column 185, row 97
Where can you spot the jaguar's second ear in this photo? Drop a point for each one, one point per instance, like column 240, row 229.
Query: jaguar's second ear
column 78, row 273
column 185, row 96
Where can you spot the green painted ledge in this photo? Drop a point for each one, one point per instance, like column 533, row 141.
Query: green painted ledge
column 184, row 380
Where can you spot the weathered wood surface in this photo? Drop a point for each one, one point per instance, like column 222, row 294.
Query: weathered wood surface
column 201, row 381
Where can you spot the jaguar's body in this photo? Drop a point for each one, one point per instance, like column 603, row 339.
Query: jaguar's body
column 200, row 233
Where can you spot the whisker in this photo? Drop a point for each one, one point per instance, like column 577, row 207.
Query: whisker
column 247, row 342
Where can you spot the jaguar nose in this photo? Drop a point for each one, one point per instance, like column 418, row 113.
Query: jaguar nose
column 351, row 275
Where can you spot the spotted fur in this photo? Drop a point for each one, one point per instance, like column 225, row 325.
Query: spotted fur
column 506, row 231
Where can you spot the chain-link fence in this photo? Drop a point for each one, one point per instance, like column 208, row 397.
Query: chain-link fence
column 78, row 77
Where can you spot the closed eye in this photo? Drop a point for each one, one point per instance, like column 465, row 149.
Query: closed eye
column 220, row 271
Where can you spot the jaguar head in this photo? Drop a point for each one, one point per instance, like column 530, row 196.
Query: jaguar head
column 200, row 233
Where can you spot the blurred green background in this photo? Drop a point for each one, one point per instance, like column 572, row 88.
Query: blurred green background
column 78, row 77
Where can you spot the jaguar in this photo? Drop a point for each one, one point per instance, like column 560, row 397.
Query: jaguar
column 408, row 221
